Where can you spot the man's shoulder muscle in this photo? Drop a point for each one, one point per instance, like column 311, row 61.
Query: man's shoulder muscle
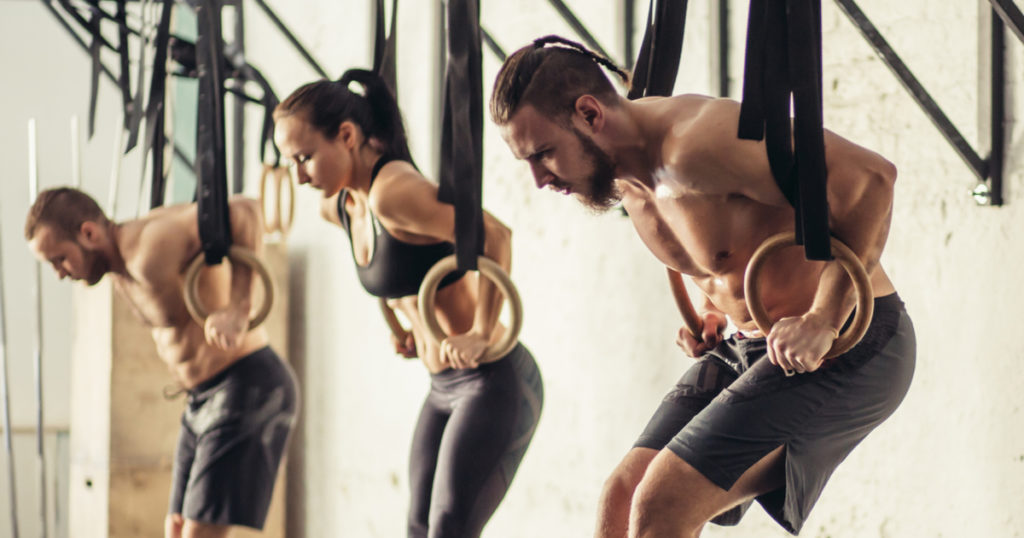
column 164, row 242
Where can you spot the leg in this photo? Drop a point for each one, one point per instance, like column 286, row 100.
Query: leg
column 184, row 454
column 674, row 499
column 426, row 442
column 495, row 413
column 172, row 525
column 243, row 425
column 694, row 390
column 617, row 495
column 195, row 529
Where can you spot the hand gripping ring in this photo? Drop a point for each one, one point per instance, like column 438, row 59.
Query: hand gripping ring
column 236, row 254
column 845, row 257
column 273, row 221
column 490, row 269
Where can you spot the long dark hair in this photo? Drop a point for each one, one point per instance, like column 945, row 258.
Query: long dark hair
column 326, row 104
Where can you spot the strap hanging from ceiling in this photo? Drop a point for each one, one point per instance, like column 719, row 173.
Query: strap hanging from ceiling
column 461, row 174
column 783, row 62
column 657, row 63
column 124, row 81
column 155, row 111
column 95, row 46
column 134, row 120
column 384, row 47
column 211, row 173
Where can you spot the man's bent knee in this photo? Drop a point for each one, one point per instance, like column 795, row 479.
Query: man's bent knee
column 627, row 474
column 617, row 494
column 673, row 499
column 172, row 525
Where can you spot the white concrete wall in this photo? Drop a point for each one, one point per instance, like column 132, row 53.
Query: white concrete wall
column 599, row 317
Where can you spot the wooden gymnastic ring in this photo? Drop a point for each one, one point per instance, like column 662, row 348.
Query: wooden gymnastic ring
column 236, row 254
column 490, row 269
column 274, row 223
column 845, row 257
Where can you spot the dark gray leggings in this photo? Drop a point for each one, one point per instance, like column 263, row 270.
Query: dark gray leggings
column 471, row 435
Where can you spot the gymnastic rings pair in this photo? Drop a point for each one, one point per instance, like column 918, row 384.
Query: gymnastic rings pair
column 280, row 177
column 236, row 254
column 846, row 258
column 428, row 290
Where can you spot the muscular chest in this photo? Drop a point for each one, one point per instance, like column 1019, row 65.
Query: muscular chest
column 156, row 304
column 695, row 234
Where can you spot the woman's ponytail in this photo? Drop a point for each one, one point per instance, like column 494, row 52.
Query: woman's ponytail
column 384, row 117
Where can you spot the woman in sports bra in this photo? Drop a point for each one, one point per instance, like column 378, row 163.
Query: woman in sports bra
column 347, row 139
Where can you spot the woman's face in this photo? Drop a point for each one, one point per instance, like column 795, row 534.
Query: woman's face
column 324, row 164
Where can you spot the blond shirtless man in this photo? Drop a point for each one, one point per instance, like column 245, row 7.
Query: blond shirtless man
column 242, row 398
column 734, row 428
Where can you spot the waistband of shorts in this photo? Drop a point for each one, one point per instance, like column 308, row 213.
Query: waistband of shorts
column 220, row 376
column 891, row 302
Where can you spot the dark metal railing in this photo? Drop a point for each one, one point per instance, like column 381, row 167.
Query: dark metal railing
column 989, row 171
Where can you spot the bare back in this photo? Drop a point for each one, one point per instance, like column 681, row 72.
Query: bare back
column 157, row 249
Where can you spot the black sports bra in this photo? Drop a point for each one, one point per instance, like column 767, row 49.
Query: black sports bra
column 396, row 268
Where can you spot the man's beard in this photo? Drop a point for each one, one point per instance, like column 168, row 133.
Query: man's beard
column 95, row 265
column 601, row 194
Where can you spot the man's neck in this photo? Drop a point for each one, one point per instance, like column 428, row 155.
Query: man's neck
column 634, row 141
column 115, row 236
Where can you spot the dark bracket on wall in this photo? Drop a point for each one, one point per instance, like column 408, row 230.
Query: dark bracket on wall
column 989, row 171
column 577, row 26
column 287, row 33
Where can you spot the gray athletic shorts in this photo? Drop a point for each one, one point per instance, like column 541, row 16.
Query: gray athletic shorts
column 731, row 409
column 233, row 434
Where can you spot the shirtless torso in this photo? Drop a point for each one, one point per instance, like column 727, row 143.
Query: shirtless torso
column 157, row 249
column 712, row 201
column 146, row 258
column 703, row 201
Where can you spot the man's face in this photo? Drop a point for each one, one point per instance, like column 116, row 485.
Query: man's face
column 68, row 258
column 566, row 160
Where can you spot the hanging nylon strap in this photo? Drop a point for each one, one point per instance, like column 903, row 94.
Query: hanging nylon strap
column 461, row 174
column 783, row 59
column 155, row 111
column 183, row 52
column 124, row 77
column 94, row 55
column 657, row 64
column 138, row 112
column 91, row 25
column 212, row 184
column 269, row 102
column 384, row 47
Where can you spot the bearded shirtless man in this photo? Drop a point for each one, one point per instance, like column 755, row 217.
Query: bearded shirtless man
column 734, row 428
column 242, row 398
